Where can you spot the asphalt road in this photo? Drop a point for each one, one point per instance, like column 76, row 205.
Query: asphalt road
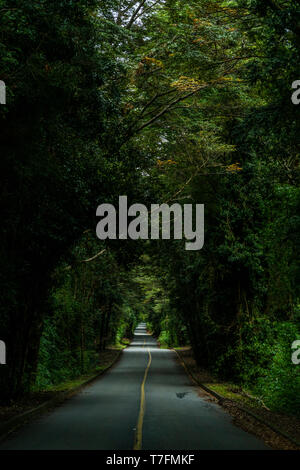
column 146, row 401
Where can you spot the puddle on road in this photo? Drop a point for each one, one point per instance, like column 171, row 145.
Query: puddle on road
column 181, row 395
column 201, row 393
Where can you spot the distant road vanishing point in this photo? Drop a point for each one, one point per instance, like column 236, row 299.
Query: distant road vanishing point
column 146, row 401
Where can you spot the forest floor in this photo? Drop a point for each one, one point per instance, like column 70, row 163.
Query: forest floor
column 234, row 397
column 37, row 398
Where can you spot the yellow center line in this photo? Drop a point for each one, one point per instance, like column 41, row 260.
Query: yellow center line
column 139, row 428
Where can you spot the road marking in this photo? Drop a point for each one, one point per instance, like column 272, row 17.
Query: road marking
column 139, row 428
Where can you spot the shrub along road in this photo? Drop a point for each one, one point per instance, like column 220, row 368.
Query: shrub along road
column 146, row 401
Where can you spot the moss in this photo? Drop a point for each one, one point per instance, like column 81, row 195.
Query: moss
column 232, row 392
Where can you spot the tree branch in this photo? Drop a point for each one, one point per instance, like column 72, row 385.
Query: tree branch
column 168, row 107
column 93, row 257
column 134, row 15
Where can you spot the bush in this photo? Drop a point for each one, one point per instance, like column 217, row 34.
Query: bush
column 261, row 361
column 280, row 385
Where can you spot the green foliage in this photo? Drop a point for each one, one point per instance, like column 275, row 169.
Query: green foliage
column 163, row 101
column 279, row 384
column 90, row 310
column 58, row 364
column 234, row 144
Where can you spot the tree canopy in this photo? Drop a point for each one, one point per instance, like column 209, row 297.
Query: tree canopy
column 163, row 101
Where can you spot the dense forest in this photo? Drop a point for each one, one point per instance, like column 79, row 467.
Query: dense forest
column 164, row 101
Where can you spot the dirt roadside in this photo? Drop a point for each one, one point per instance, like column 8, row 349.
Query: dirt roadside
column 21, row 411
column 233, row 399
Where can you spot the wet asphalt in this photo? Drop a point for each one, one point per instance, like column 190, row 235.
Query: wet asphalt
column 177, row 415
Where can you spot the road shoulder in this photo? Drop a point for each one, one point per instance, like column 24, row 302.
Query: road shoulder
column 22, row 412
column 280, row 432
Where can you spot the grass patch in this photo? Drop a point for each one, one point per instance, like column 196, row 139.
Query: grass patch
column 106, row 358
